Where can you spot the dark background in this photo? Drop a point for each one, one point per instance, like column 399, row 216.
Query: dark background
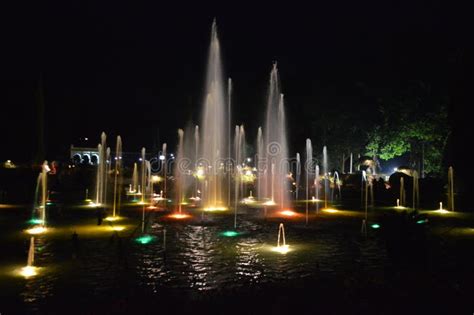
column 137, row 69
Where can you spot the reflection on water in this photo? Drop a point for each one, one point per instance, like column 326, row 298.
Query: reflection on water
column 197, row 258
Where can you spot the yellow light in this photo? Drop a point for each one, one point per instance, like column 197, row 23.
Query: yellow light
column 283, row 249
column 118, row 228
column 93, row 204
column 152, row 208
column 111, row 219
column 288, row 213
column 179, row 216
column 269, row 203
column 36, row 230
column 442, row 211
column 156, row 178
column 330, row 210
column 215, row 208
column 28, row 271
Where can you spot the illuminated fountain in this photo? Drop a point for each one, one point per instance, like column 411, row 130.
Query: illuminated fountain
column 214, row 130
column 101, row 171
column 281, row 247
column 298, row 175
column 326, row 176
column 143, row 175
column 40, row 202
column 179, row 176
column 316, row 188
column 275, row 149
column 309, row 161
column 401, row 202
column 117, row 177
column 135, row 178
column 29, row 270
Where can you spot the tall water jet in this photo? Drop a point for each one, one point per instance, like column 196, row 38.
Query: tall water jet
column 309, row 162
column 326, row 176
column 106, row 175
column 214, row 127
column 165, row 170
column 117, row 176
column 196, row 158
column 350, row 164
column 451, row 188
column 101, row 170
column 297, row 175
column 228, row 166
column 260, row 164
column 179, row 178
column 239, row 148
column 143, row 174
column 276, row 153
column 316, row 186
column 135, row 178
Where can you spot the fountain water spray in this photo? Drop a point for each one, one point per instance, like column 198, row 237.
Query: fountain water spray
column 276, row 153
column 298, row 175
column 214, row 127
column 30, row 270
column 281, row 247
column 309, row 161
column 178, row 173
column 326, row 176
column 143, row 174
column 316, row 187
column 117, row 176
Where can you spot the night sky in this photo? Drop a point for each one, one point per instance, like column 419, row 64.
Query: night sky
column 138, row 69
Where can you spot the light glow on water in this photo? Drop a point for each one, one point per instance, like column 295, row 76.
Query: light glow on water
column 282, row 249
column 36, row 230
column 29, row 271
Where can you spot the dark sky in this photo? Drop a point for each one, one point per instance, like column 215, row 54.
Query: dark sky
column 135, row 68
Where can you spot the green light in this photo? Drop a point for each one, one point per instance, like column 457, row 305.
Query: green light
column 422, row 221
column 375, row 226
column 229, row 233
column 144, row 239
column 35, row 221
column 49, row 203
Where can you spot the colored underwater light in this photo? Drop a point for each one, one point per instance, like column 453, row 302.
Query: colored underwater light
column 179, row 216
column 144, row 239
column 375, row 226
column 330, row 210
column 36, row 230
column 288, row 213
column 111, row 219
column 118, row 228
column 29, row 271
column 422, row 221
column 230, row 233
column 269, row 203
column 35, row 221
column 215, row 208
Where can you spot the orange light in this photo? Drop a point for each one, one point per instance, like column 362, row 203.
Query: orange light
column 179, row 216
column 288, row 213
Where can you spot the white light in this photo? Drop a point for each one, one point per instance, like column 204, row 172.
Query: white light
column 395, row 169
column 140, row 159
column 162, row 157
column 249, row 160
column 86, row 139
